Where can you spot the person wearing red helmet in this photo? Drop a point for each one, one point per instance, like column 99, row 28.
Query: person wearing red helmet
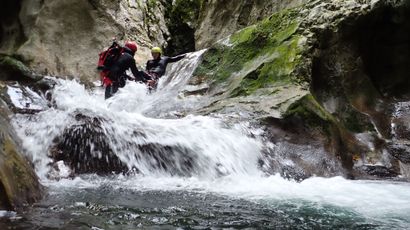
column 117, row 72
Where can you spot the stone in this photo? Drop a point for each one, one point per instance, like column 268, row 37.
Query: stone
column 12, row 69
column 379, row 171
column 400, row 150
column 19, row 185
column 84, row 148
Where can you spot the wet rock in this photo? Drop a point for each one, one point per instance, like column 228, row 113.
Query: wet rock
column 19, row 185
column 195, row 92
column 218, row 19
column 400, row 150
column 44, row 85
column 12, row 69
column 84, row 148
column 379, row 171
column 175, row 160
column 401, row 121
column 182, row 19
column 299, row 151
column 23, row 99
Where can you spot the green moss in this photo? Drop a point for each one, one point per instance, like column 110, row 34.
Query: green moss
column 273, row 30
column 243, row 35
column 308, row 109
column 15, row 70
column 276, row 72
column 8, row 63
column 186, row 11
column 151, row 3
column 269, row 51
column 356, row 122
column 182, row 19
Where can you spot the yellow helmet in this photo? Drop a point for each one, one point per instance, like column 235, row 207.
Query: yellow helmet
column 156, row 50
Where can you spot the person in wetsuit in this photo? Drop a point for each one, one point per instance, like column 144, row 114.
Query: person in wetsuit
column 157, row 66
column 117, row 72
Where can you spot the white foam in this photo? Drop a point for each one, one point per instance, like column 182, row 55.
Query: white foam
column 7, row 214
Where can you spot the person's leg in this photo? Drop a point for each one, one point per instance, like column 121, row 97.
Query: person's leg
column 111, row 90
column 115, row 87
column 108, row 91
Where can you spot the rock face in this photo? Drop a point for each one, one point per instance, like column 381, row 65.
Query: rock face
column 182, row 21
column 220, row 18
column 321, row 66
column 65, row 37
column 19, row 184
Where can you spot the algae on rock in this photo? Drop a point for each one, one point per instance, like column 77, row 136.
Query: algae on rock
column 13, row 69
column 258, row 61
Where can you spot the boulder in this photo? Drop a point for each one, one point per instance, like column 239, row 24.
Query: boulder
column 85, row 147
column 19, row 185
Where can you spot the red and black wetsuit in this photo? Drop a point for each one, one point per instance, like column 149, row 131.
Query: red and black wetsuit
column 158, row 66
column 117, row 72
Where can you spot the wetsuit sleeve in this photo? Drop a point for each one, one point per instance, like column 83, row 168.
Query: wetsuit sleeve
column 139, row 75
column 176, row 58
column 147, row 65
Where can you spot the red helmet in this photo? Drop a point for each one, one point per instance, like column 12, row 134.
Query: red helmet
column 131, row 45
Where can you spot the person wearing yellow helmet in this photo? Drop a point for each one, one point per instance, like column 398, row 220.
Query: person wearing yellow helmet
column 157, row 66
column 156, row 50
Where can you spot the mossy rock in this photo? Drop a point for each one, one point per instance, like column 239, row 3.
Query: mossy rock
column 12, row 69
column 271, row 40
column 19, row 185
column 309, row 110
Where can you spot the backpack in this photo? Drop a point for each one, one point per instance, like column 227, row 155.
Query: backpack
column 109, row 56
column 106, row 60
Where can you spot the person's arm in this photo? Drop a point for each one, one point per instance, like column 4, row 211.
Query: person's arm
column 147, row 66
column 138, row 75
column 176, row 58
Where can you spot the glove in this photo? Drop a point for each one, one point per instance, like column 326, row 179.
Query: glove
column 151, row 83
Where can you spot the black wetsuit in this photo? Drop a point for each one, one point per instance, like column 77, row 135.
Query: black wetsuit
column 118, row 75
column 158, row 66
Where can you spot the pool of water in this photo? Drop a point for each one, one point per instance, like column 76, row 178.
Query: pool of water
column 190, row 203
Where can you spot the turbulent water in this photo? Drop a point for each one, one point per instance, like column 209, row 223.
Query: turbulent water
column 223, row 189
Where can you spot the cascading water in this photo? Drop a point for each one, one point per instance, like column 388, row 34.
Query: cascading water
column 194, row 171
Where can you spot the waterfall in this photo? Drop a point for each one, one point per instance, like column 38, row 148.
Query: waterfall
column 135, row 117
column 172, row 149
